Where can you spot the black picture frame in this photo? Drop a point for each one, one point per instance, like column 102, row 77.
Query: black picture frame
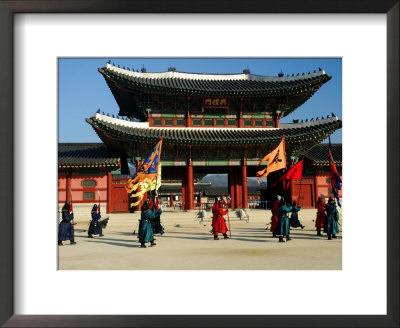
column 7, row 11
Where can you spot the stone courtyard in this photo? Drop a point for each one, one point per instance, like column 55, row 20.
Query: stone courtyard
column 188, row 245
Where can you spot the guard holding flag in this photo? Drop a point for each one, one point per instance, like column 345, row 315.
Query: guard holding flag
column 65, row 229
column 157, row 227
column 145, row 226
column 95, row 227
column 283, row 227
column 332, row 217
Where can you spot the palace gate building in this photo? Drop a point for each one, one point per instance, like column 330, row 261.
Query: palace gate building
column 210, row 123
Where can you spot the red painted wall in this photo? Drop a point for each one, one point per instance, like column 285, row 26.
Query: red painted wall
column 77, row 188
column 62, row 184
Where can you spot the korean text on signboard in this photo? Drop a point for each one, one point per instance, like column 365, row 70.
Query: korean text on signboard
column 216, row 103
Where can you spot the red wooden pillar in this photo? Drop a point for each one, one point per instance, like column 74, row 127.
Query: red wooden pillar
column 189, row 186
column 188, row 122
column 244, row 185
column 276, row 120
column 238, row 195
column 183, row 197
column 240, row 123
column 68, row 187
column 110, row 206
column 171, row 200
column 240, row 187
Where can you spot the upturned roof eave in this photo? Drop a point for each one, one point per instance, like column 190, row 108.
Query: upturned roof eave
column 276, row 90
column 238, row 136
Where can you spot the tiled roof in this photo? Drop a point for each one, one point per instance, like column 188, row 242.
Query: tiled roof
column 319, row 153
column 232, row 84
column 85, row 155
column 124, row 130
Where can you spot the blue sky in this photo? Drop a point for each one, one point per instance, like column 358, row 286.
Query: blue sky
column 82, row 90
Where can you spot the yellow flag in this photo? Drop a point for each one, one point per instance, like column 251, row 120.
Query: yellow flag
column 148, row 176
column 145, row 186
column 276, row 161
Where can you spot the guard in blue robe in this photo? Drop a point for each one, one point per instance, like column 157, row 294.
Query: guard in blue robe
column 282, row 227
column 294, row 218
column 65, row 228
column 331, row 226
column 95, row 227
column 145, row 226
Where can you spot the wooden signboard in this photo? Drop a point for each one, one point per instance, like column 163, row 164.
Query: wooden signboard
column 216, row 103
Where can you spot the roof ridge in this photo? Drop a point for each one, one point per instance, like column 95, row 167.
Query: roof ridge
column 210, row 76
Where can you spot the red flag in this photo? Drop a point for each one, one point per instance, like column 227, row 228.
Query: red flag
column 296, row 172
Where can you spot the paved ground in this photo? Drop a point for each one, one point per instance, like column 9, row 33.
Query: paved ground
column 189, row 245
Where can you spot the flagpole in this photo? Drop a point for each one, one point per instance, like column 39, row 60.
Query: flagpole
column 330, row 147
column 158, row 167
column 298, row 196
column 229, row 222
column 70, row 193
column 98, row 194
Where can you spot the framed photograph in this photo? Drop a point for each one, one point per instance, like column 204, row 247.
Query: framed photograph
column 98, row 184
column 33, row 38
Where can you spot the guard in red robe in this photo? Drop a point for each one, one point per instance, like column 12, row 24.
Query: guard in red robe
column 321, row 216
column 274, row 218
column 218, row 222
